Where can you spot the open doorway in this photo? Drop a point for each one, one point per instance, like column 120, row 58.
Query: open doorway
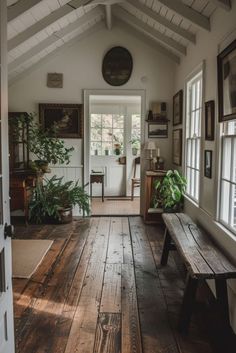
column 114, row 130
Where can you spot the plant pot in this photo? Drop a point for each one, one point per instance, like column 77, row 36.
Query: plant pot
column 65, row 215
column 134, row 151
column 117, row 151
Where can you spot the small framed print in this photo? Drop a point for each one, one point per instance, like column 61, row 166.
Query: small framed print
column 210, row 121
column 55, row 80
column 208, row 164
column 177, row 147
column 157, row 130
column 178, row 108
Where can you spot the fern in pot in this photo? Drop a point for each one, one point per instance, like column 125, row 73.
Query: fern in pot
column 52, row 201
column 170, row 192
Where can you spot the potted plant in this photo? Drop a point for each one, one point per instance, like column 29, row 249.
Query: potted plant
column 44, row 145
column 135, row 144
column 170, row 192
column 52, row 201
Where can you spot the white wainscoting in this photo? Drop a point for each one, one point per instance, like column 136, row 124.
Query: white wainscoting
column 69, row 173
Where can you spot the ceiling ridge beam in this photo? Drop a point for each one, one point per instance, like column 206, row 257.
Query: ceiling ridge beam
column 224, row 4
column 148, row 40
column 96, row 27
column 91, row 15
column 19, row 8
column 108, row 17
column 44, row 22
column 188, row 13
column 163, row 21
column 127, row 17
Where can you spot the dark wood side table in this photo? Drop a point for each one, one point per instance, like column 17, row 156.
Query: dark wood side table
column 97, row 178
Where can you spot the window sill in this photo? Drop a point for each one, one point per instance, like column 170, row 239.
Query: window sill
column 191, row 200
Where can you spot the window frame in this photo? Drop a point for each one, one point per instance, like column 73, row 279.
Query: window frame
column 222, row 178
column 194, row 77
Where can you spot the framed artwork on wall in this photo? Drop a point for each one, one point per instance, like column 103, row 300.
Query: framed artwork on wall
column 178, row 108
column 226, row 65
column 157, row 130
column 68, row 118
column 208, row 164
column 177, row 147
column 210, row 120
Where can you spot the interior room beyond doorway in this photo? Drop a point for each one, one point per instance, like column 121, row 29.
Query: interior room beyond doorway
column 115, row 144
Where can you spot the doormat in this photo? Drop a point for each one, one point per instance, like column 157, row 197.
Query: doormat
column 27, row 255
column 119, row 199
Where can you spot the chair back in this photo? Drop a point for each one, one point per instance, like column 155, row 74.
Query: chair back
column 136, row 162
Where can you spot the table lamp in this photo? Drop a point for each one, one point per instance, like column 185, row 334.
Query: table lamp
column 151, row 146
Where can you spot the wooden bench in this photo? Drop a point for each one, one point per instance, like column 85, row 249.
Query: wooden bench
column 203, row 260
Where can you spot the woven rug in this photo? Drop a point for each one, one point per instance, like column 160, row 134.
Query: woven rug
column 27, row 255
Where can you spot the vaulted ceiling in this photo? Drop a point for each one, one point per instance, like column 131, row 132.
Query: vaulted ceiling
column 37, row 28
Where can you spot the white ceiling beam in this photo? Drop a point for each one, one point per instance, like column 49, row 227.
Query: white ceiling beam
column 45, row 22
column 108, row 16
column 139, row 24
column 19, row 8
column 188, row 13
column 163, row 21
column 148, row 40
column 81, row 36
column 224, row 4
column 90, row 16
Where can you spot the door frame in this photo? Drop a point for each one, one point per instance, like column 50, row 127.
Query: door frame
column 86, row 155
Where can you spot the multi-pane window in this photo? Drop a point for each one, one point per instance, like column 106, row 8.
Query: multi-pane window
column 193, row 135
column 228, row 176
column 107, row 130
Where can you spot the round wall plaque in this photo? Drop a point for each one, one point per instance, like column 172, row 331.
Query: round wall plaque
column 117, row 66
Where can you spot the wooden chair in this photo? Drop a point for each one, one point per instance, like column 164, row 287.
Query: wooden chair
column 135, row 182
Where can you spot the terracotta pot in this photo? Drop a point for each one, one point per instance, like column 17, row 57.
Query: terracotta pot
column 65, row 215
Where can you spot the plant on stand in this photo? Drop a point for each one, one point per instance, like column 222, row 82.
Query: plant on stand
column 135, row 144
column 169, row 193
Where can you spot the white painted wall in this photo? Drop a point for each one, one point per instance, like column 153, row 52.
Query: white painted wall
column 208, row 46
column 81, row 66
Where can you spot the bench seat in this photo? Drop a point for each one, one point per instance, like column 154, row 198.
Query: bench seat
column 203, row 260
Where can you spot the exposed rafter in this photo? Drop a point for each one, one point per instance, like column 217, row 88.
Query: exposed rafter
column 163, row 21
column 142, row 26
column 108, row 16
column 79, row 37
column 148, row 40
column 19, row 8
column 45, row 22
column 90, row 16
column 224, row 4
column 188, row 13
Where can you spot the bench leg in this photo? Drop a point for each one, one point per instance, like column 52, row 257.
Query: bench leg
column 188, row 302
column 166, row 248
column 222, row 302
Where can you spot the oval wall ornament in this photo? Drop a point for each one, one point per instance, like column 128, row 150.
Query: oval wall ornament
column 117, row 66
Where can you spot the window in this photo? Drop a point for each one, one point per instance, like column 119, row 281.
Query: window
column 228, row 176
column 193, row 135
column 107, row 130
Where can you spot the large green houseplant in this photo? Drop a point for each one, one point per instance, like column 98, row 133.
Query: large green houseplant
column 52, row 200
column 169, row 193
column 45, row 146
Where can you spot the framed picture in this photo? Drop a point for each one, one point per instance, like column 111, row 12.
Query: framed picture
column 178, row 108
column 210, row 120
column 226, row 64
column 177, row 147
column 157, row 130
column 67, row 117
column 208, row 164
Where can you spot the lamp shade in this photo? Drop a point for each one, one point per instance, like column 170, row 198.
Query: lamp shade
column 151, row 145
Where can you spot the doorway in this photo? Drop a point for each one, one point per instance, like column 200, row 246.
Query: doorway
column 114, row 127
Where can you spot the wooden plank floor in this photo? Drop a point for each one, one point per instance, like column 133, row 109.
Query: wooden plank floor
column 100, row 289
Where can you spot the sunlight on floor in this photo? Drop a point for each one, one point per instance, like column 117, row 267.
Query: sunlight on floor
column 118, row 206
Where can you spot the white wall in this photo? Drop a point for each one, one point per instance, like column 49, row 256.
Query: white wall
column 81, row 66
column 223, row 31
